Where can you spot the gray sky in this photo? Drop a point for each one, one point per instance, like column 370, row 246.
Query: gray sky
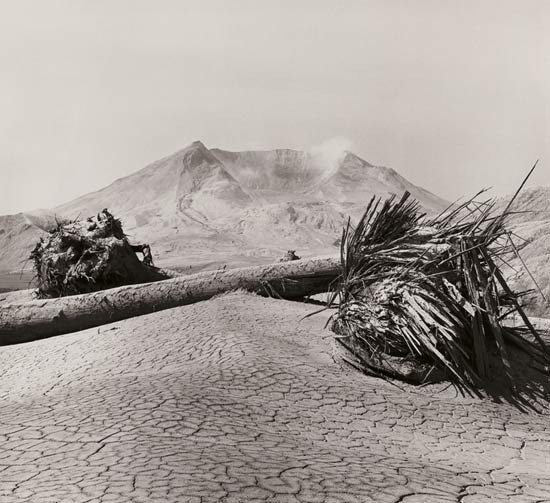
column 452, row 94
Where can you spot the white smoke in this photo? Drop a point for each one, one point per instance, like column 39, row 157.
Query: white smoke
column 329, row 155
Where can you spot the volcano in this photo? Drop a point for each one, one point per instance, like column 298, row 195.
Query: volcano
column 203, row 207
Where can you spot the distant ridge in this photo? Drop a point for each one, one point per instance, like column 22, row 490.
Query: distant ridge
column 531, row 226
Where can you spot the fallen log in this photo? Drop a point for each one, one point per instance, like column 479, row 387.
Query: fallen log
column 47, row 317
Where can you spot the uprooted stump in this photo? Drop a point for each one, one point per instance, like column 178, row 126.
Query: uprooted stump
column 289, row 256
column 88, row 255
column 424, row 299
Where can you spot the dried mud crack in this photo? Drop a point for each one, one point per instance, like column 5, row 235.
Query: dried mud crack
column 237, row 400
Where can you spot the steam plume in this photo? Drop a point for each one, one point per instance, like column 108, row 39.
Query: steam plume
column 329, row 154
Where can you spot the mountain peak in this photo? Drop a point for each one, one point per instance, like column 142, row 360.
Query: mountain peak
column 197, row 144
column 196, row 154
column 351, row 157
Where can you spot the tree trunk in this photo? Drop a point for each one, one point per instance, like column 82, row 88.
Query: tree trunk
column 383, row 365
column 44, row 318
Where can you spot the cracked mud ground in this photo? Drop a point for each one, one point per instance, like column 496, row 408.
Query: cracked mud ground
column 237, row 400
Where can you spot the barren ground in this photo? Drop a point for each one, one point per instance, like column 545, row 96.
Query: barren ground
column 239, row 400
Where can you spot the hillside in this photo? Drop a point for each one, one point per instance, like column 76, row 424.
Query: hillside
column 202, row 208
column 18, row 235
column 531, row 226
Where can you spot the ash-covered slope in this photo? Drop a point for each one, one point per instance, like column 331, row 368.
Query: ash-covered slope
column 201, row 205
column 186, row 186
column 531, row 226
